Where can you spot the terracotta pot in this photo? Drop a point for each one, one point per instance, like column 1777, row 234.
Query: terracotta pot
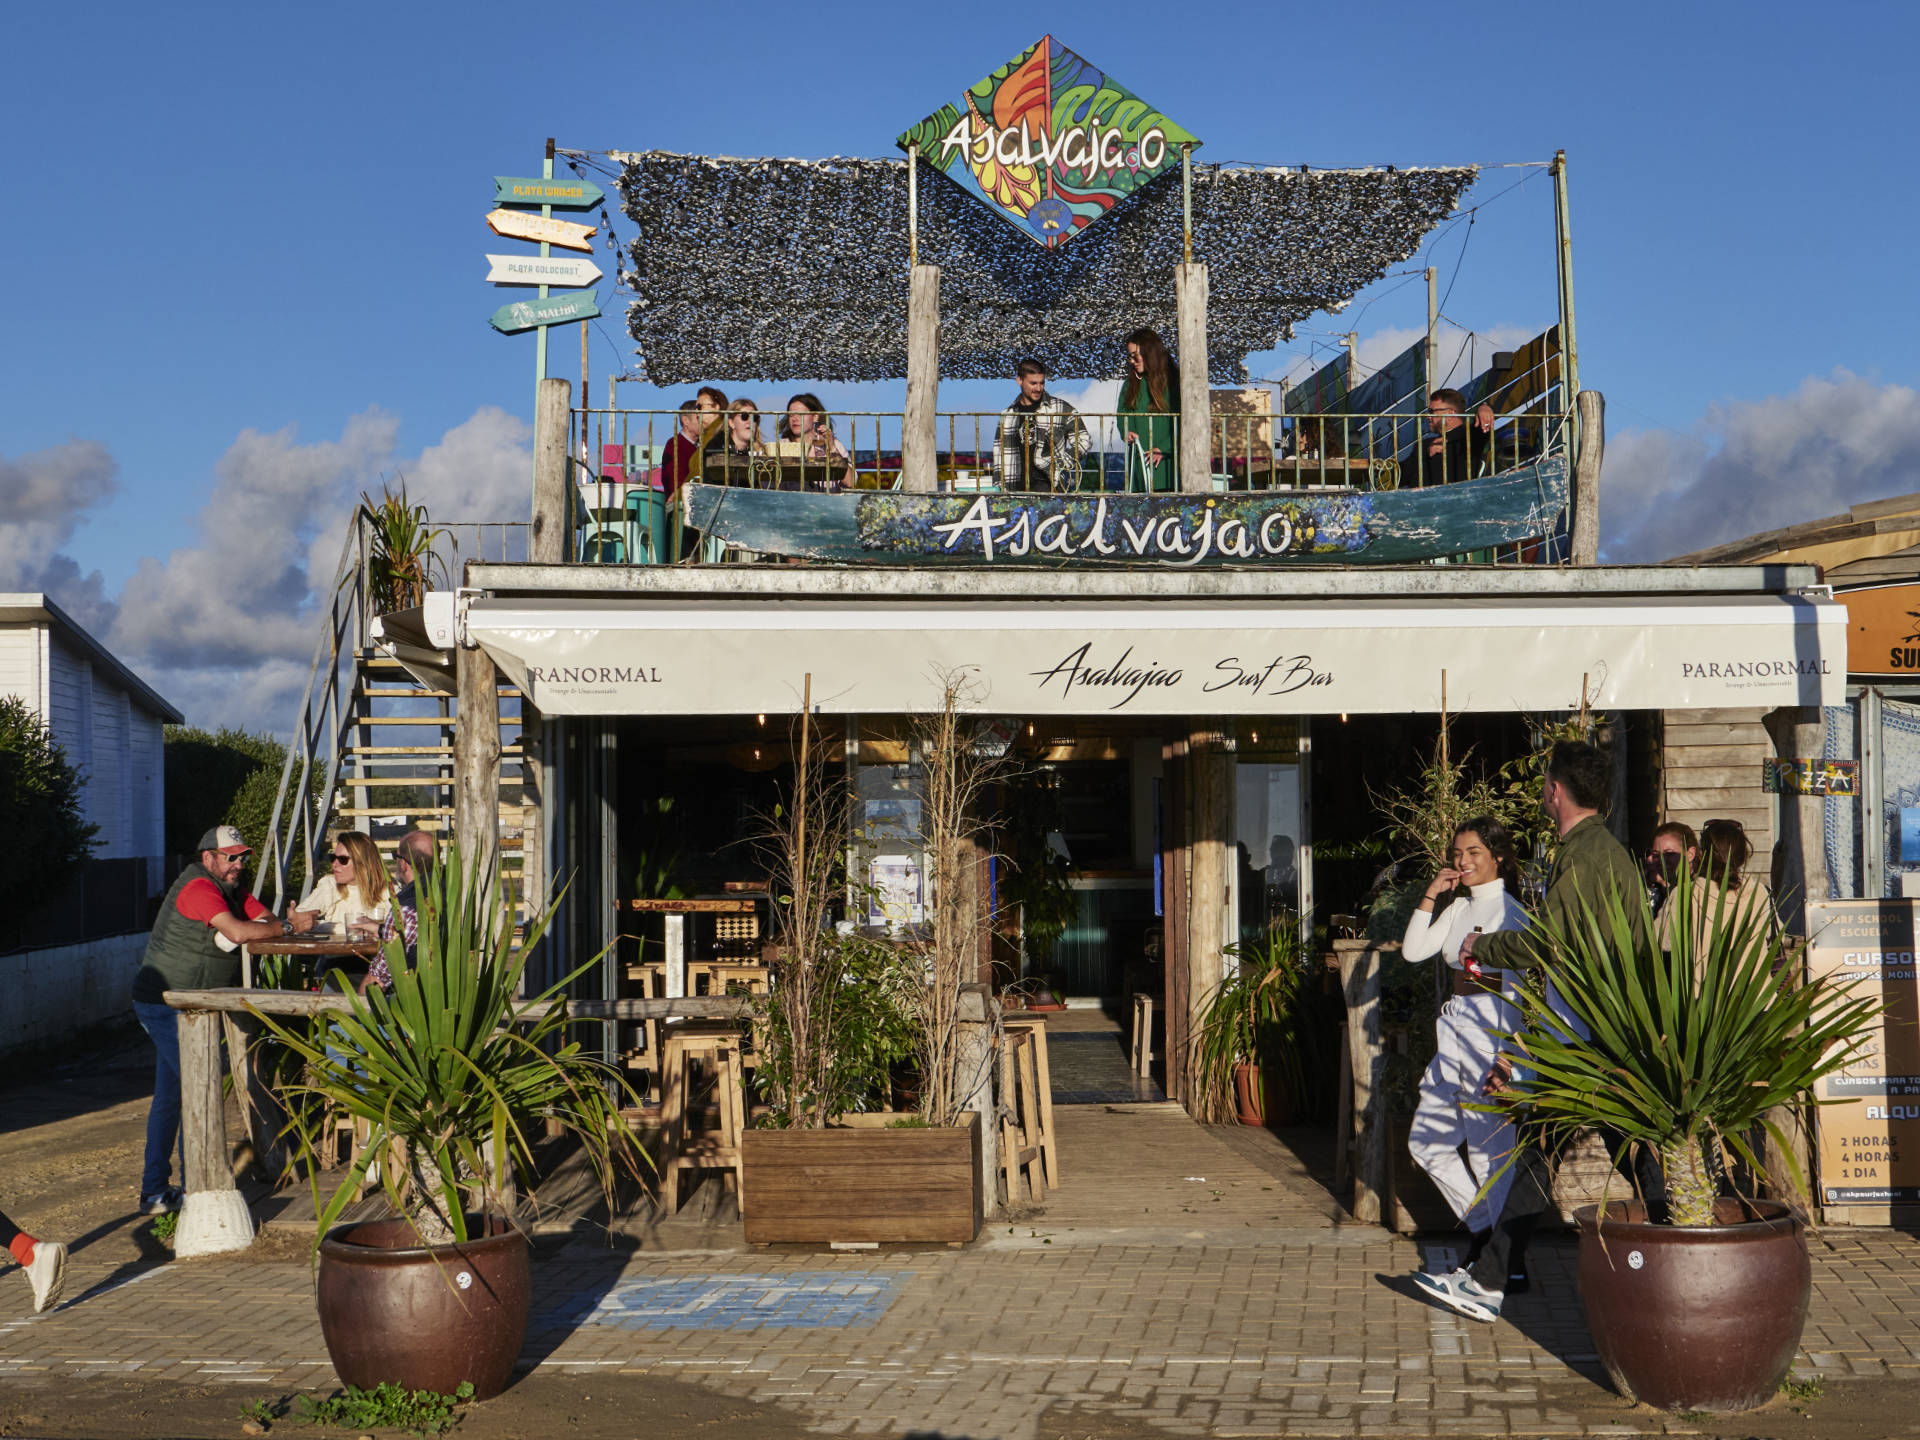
column 395, row 1311
column 1695, row 1317
column 1250, row 1093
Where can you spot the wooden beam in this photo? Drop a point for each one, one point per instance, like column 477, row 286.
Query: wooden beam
column 1585, row 547
column 547, row 542
column 919, row 434
column 214, row 1217
column 1196, row 416
column 1173, row 937
column 1210, row 760
column 305, row 1004
column 476, row 763
column 1366, row 1054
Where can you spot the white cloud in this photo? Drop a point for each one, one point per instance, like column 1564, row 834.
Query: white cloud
column 225, row 627
column 1752, row 466
column 44, row 498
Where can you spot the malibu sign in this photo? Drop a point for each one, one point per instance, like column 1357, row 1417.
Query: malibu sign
column 1049, row 141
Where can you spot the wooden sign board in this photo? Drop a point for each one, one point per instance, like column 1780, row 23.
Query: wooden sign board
column 1868, row 1159
column 1810, row 777
column 554, row 310
column 540, row 270
column 518, row 225
column 1883, row 630
column 561, row 193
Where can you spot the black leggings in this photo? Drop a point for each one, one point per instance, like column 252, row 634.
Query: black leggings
column 1531, row 1194
column 8, row 1232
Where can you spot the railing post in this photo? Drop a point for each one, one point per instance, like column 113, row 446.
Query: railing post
column 1196, row 420
column 1584, row 542
column 919, row 436
column 547, row 540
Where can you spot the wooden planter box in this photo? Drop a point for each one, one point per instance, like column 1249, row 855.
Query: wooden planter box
column 861, row 1181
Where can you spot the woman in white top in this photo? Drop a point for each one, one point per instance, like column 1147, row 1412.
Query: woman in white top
column 1466, row 1033
column 356, row 896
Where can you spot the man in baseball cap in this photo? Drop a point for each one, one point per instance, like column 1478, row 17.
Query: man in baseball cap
column 195, row 945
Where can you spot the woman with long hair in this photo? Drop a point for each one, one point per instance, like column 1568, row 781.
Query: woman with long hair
column 1476, row 892
column 1721, row 888
column 1149, row 409
column 355, row 895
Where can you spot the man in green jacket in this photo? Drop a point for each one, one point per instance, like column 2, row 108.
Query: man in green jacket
column 1589, row 867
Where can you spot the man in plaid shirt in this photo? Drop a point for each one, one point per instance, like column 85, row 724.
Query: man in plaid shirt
column 412, row 862
column 1040, row 440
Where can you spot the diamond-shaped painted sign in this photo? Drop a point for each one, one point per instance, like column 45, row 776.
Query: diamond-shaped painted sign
column 1050, row 141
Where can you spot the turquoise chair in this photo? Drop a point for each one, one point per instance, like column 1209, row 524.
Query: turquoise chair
column 645, row 519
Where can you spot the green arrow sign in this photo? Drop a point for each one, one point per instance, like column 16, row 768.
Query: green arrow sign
column 572, row 193
column 558, row 310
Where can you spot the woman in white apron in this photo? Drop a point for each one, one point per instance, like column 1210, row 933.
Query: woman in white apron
column 1471, row 894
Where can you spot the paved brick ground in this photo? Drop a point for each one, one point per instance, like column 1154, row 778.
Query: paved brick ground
column 1314, row 1335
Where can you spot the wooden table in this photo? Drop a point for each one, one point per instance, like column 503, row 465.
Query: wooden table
column 308, row 945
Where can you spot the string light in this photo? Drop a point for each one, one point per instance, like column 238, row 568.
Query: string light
column 768, row 269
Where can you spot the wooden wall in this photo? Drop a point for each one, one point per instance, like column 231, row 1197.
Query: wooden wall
column 1708, row 766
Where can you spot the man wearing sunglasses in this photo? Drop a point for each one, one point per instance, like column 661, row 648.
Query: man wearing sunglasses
column 195, row 945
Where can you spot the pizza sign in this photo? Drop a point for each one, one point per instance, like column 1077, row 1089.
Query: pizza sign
column 1050, row 142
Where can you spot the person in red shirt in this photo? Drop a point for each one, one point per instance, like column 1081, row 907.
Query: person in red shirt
column 695, row 416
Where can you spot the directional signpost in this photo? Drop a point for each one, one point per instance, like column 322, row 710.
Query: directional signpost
column 532, row 270
column 555, row 310
column 569, row 194
column 517, row 225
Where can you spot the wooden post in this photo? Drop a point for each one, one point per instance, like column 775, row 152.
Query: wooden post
column 1210, row 759
column 1799, row 733
column 533, row 837
column 547, row 541
column 1174, row 826
column 476, row 761
column 1196, row 419
column 265, row 1115
column 214, row 1217
column 1360, row 986
column 1592, row 406
column 975, row 1065
column 919, row 436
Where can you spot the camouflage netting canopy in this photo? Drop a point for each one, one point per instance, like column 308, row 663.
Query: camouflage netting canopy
column 787, row 269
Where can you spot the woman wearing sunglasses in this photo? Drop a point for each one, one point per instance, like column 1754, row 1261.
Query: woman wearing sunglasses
column 355, row 895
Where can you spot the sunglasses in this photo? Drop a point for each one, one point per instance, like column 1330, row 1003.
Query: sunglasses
column 343, row 859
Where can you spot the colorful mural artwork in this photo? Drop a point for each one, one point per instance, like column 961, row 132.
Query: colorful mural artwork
column 1049, row 141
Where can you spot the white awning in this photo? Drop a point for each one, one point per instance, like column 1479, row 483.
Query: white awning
column 593, row 656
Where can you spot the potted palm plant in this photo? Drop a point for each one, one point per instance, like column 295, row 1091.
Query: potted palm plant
column 1703, row 1054
column 1251, row 1040
column 449, row 1071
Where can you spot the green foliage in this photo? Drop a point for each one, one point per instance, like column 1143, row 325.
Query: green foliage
column 46, row 834
column 228, row 777
column 1258, row 1014
column 1690, row 1049
column 1808, row 1389
column 1035, row 880
column 390, row 1407
column 865, row 1032
column 442, row 1065
column 163, row 1226
column 1450, row 789
column 403, row 566
column 661, row 850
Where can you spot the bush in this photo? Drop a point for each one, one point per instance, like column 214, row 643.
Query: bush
column 46, row 835
column 227, row 777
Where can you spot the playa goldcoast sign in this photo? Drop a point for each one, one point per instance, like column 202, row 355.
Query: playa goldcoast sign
column 1049, row 141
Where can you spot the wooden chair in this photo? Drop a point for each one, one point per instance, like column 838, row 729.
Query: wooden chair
column 651, row 978
column 689, row 1049
column 1036, row 1031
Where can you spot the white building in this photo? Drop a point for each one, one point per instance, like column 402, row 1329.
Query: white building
column 108, row 720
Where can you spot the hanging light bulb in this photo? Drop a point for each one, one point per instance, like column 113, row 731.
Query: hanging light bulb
column 756, row 752
column 761, row 718
column 1343, row 717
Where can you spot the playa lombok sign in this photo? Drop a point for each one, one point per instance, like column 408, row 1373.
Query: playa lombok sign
column 1050, row 141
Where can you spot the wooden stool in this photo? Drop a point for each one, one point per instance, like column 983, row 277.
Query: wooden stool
column 1143, row 1052
column 685, row 1148
column 721, row 974
column 651, row 977
column 1036, row 1030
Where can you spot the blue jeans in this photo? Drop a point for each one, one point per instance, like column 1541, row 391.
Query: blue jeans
column 162, row 1023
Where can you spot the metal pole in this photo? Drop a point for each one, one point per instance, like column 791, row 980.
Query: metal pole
column 913, row 208
column 1186, row 201
column 1563, row 241
column 540, row 331
column 1433, row 325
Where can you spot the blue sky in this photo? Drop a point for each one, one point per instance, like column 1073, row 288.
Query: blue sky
column 228, row 219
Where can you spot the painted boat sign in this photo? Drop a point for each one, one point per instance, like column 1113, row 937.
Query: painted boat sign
column 540, row 270
column 1255, row 528
column 570, row 193
column 555, row 310
column 541, row 229
column 1049, row 141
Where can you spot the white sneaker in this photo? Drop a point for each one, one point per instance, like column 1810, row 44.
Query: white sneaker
column 48, row 1272
column 1460, row 1292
